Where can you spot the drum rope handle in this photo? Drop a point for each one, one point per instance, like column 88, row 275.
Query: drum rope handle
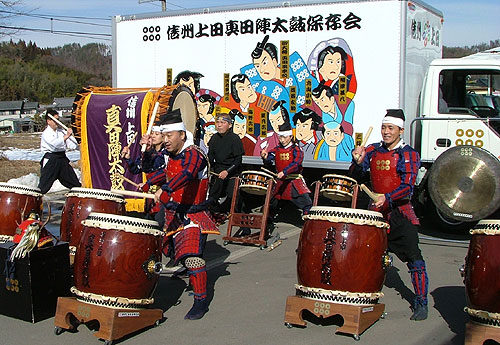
column 151, row 122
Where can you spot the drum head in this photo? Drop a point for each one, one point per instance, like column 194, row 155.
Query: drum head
column 252, row 189
column 336, row 195
column 183, row 99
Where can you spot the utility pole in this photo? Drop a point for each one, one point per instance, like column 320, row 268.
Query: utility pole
column 163, row 5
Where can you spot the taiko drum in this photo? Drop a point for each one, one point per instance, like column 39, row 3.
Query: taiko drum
column 342, row 249
column 116, row 261
column 16, row 200
column 80, row 202
column 482, row 267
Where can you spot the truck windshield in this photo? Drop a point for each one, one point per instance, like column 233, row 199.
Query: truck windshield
column 475, row 92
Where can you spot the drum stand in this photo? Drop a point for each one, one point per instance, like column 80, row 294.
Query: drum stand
column 113, row 323
column 477, row 334
column 357, row 318
column 250, row 220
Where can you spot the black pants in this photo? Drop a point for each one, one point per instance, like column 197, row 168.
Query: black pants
column 219, row 189
column 402, row 239
column 301, row 201
column 57, row 168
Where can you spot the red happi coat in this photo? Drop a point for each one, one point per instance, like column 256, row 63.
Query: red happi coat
column 289, row 160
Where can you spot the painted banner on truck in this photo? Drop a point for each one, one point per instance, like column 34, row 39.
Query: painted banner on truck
column 331, row 70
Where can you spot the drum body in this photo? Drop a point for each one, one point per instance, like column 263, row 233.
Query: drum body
column 115, row 262
column 337, row 187
column 254, row 182
column 80, row 202
column 16, row 200
column 482, row 281
column 342, row 255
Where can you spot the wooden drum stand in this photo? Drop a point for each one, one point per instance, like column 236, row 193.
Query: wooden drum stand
column 250, row 220
column 477, row 334
column 113, row 323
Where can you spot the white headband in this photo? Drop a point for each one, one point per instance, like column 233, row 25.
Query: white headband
column 156, row 129
column 285, row 133
column 394, row 120
column 178, row 126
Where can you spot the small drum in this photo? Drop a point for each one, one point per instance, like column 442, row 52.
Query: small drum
column 482, row 281
column 337, row 187
column 80, row 202
column 16, row 200
column 254, row 182
column 342, row 256
column 116, row 260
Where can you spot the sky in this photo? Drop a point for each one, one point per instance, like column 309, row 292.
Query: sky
column 466, row 22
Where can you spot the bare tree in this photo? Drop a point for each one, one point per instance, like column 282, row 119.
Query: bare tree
column 8, row 9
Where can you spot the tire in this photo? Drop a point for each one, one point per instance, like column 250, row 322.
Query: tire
column 444, row 223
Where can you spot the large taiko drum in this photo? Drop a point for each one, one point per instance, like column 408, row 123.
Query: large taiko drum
column 16, row 200
column 342, row 255
column 254, row 182
column 482, row 278
column 116, row 264
column 80, row 202
column 337, row 187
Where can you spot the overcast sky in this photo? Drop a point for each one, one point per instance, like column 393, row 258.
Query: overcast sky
column 466, row 22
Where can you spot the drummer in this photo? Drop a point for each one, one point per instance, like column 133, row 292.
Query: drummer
column 225, row 153
column 288, row 157
column 393, row 168
column 150, row 161
column 54, row 164
column 184, row 196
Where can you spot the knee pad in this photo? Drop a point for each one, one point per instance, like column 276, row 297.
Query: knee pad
column 194, row 262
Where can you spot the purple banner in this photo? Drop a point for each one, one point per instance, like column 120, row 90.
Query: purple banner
column 111, row 123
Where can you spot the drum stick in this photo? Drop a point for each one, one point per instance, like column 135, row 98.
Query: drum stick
column 214, row 173
column 130, row 193
column 371, row 194
column 367, row 135
column 268, row 171
column 151, row 122
column 62, row 125
column 365, row 139
column 133, row 139
column 129, row 181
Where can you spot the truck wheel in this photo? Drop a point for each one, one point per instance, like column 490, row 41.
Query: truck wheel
column 447, row 224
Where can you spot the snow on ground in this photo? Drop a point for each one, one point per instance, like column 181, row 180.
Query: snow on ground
column 31, row 180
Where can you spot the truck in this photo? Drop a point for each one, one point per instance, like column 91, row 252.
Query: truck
column 331, row 69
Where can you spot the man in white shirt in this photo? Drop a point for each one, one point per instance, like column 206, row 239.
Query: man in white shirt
column 54, row 164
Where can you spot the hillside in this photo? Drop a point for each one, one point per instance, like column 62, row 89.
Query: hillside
column 37, row 74
column 41, row 74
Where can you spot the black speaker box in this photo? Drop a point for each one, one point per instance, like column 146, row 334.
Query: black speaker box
column 38, row 280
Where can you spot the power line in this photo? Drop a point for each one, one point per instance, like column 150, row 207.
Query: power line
column 60, row 32
column 56, row 16
column 49, row 17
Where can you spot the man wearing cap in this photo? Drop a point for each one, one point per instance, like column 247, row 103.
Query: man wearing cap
column 184, row 196
column 393, row 168
column 225, row 154
column 288, row 157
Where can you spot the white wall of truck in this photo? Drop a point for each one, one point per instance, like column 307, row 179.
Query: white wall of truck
column 391, row 50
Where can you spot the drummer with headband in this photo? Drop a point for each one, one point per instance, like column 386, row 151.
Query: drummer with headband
column 184, row 196
column 288, row 157
column 150, row 161
column 393, row 168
